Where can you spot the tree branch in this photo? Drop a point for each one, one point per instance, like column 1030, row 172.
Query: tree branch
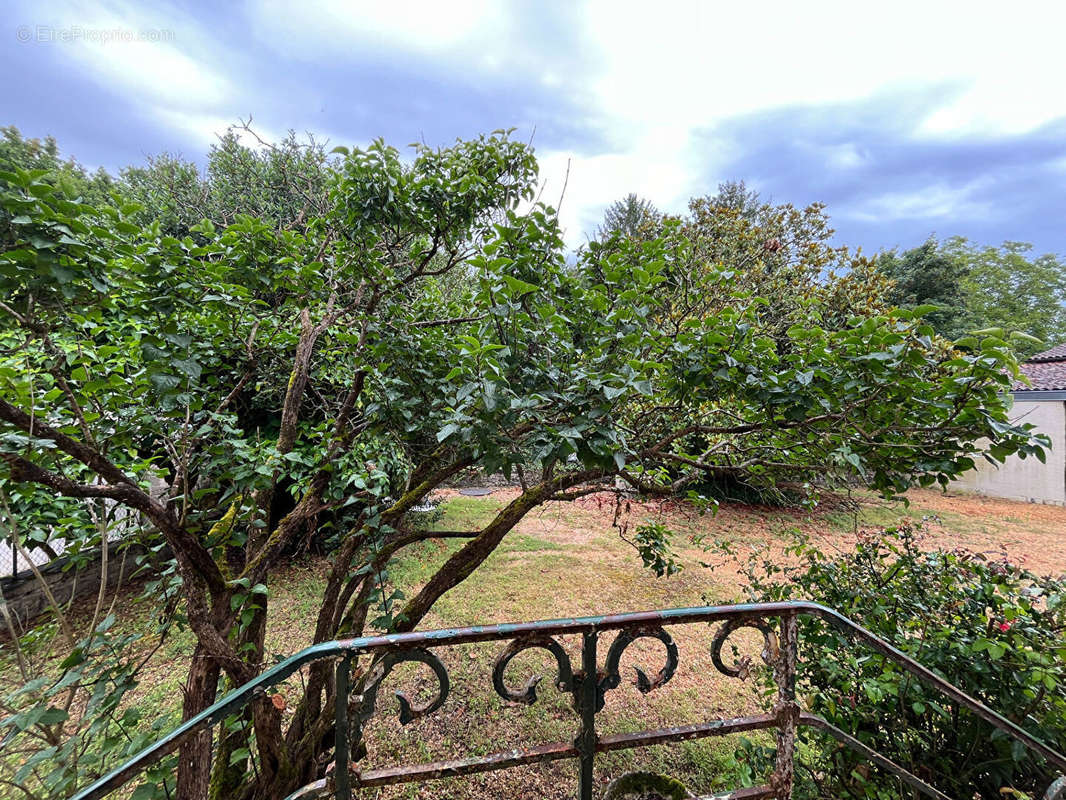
column 83, row 453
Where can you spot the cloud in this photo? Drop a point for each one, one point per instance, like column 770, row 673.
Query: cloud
column 961, row 74
column 649, row 166
column 471, row 43
column 933, row 204
column 896, row 184
column 168, row 67
column 694, row 63
column 919, row 115
column 143, row 71
column 341, row 28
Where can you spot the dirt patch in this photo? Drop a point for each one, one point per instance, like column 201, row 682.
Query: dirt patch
column 975, row 505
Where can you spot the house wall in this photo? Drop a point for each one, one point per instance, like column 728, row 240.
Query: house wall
column 1027, row 479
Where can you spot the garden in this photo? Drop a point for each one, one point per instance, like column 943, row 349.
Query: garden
column 281, row 369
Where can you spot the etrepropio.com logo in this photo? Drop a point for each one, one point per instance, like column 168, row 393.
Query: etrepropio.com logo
column 52, row 34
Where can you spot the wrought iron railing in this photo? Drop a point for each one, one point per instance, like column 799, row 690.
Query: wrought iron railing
column 588, row 685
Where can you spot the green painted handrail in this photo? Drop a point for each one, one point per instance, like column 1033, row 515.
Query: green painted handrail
column 589, row 627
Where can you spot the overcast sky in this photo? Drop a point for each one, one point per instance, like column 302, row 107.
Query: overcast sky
column 906, row 119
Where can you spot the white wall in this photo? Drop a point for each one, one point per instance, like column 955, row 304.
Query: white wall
column 1027, row 480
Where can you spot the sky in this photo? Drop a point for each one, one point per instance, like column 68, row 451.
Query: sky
column 907, row 119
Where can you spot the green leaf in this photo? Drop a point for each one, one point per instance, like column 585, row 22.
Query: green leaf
column 519, row 287
column 922, row 310
column 1025, row 337
column 52, row 716
column 446, row 431
column 188, row 367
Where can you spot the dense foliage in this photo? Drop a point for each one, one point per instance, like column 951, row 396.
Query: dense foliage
column 779, row 253
column 927, row 275
column 283, row 184
column 977, row 288
column 343, row 333
column 68, row 177
column 993, row 629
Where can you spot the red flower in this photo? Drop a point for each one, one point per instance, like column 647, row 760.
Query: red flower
column 1004, row 626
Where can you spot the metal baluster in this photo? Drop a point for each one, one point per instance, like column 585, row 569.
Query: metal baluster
column 341, row 775
column 787, row 710
column 778, row 623
column 586, row 741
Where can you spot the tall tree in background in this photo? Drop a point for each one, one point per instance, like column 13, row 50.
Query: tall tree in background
column 283, row 183
column 735, row 196
column 1008, row 287
column 632, row 217
column 976, row 288
column 926, row 275
column 781, row 253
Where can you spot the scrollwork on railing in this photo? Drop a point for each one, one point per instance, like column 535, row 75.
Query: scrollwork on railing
column 564, row 680
column 357, row 693
column 380, row 670
column 742, row 668
column 612, row 677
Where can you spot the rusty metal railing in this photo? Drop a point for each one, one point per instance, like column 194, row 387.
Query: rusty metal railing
column 588, row 685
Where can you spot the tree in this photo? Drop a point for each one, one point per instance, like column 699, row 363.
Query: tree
column 927, row 275
column 283, row 184
column 779, row 253
column 1008, row 288
column 72, row 179
column 43, row 157
column 735, row 196
column 631, row 216
column 978, row 288
column 318, row 381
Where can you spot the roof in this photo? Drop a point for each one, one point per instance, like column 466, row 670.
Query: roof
column 1057, row 353
column 1046, row 371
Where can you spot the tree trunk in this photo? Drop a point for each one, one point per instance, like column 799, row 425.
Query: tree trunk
column 194, row 756
column 226, row 777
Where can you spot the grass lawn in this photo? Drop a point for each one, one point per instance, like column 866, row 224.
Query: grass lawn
column 566, row 559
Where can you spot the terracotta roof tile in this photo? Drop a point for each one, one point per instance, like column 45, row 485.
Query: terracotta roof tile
column 1044, row 373
column 1057, row 353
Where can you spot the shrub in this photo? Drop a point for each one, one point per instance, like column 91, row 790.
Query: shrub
column 70, row 722
column 992, row 628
